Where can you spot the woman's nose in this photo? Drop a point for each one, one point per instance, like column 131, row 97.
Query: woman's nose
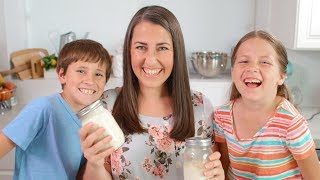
column 151, row 58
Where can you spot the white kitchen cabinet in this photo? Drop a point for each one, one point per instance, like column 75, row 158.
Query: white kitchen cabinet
column 295, row 22
column 215, row 89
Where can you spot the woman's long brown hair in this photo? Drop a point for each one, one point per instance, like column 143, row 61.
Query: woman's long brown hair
column 125, row 109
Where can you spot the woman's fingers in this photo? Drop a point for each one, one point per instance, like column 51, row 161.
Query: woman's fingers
column 213, row 167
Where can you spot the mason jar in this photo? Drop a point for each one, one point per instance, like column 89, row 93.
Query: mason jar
column 195, row 156
column 101, row 117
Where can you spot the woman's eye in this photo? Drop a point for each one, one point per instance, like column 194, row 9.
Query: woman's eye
column 140, row 47
column 163, row 48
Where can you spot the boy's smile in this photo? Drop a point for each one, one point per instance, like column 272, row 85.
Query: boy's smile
column 83, row 82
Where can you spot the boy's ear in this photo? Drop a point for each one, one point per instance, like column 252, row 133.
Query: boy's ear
column 61, row 76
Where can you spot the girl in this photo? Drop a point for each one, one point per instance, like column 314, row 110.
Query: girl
column 259, row 132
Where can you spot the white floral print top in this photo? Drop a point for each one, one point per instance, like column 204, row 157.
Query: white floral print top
column 154, row 155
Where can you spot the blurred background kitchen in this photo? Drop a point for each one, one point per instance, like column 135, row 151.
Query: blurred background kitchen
column 207, row 25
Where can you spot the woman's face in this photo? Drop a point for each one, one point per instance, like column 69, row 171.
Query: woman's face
column 151, row 54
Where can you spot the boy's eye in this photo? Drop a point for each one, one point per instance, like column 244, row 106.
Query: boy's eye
column 80, row 71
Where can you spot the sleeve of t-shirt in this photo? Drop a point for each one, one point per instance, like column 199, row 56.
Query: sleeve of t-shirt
column 23, row 129
column 299, row 139
column 218, row 127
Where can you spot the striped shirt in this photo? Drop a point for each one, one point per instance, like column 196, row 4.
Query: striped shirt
column 272, row 152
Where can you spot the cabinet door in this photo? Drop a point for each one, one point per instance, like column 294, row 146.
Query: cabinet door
column 308, row 32
column 295, row 22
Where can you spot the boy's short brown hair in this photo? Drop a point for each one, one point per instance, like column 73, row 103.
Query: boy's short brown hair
column 83, row 50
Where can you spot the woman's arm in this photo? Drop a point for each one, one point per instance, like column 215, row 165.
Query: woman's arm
column 91, row 143
column 6, row 145
column 310, row 167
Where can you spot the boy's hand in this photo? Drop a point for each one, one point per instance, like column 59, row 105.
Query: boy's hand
column 92, row 141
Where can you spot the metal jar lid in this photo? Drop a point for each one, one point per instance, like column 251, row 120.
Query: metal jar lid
column 198, row 141
column 89, row 108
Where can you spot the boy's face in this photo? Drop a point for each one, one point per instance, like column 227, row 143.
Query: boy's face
column 84, row 83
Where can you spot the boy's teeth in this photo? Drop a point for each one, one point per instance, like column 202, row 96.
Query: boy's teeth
column 86, row 91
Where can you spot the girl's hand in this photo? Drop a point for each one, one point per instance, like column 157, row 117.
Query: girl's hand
column 213, row 168
column 92, row 141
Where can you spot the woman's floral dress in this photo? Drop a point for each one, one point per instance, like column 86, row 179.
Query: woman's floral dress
column 154, row 155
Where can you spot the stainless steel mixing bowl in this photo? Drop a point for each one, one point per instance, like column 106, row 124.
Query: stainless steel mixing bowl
column 209, row 63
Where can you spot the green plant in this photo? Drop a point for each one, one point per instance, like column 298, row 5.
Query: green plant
column 50, row 62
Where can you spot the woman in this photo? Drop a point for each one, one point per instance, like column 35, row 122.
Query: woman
column 155, row 108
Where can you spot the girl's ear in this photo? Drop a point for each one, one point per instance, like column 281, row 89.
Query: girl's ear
column 283, row 77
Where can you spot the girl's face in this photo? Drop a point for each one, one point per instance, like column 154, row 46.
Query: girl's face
column 256, row 72
column 83, row 83
column 151, row 54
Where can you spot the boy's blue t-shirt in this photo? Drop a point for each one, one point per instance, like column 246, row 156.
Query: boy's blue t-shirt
column 46, row 133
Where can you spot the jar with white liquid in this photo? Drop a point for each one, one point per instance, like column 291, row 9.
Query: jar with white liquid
column 195, row 156
column 101, row 117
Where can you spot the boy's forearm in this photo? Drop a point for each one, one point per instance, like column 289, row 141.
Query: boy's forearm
column 6, row 145
column 95, row 172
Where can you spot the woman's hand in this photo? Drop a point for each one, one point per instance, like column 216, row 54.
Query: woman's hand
column 92, row 141
column 213, row 168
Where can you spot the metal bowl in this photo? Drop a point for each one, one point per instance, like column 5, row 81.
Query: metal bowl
column 209, row 63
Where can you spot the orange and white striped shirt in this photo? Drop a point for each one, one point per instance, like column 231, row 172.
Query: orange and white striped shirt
column 272, row 152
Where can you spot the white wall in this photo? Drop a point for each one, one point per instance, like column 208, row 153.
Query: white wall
column 206, row 24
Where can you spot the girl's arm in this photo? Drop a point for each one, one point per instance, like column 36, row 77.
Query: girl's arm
column 6, row 145
column 310, row 167
column 223, row 149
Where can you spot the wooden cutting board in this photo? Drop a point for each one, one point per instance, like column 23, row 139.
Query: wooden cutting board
column 31, row 56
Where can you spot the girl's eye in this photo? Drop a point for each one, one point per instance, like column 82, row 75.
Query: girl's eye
column 99, row 74
column 265, row 62
column 242, row 61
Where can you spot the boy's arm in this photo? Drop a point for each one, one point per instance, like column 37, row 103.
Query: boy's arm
column 6, row 145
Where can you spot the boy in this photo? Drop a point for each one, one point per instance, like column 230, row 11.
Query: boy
column 45, row 133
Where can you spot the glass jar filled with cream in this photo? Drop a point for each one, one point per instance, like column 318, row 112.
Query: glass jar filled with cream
column 101, row 117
